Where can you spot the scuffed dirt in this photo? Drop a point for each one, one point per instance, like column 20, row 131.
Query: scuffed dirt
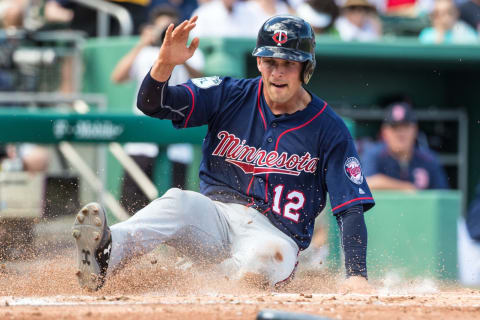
column 161, row 285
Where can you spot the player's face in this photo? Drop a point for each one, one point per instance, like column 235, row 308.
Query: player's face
column 281, row 79
column 400, row 138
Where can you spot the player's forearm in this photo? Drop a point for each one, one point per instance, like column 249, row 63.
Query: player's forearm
column 354, row 240
column 381, row 181
column 159, row 100
column 161, row 70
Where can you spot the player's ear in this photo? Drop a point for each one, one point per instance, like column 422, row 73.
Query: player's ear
column 259, row 61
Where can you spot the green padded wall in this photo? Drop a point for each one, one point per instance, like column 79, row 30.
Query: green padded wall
column 411, row 234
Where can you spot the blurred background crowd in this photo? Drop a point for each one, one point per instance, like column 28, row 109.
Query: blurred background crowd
column 435, row 21
column 398, row 156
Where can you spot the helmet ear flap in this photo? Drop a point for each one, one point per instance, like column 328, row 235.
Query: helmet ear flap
column 308, row 68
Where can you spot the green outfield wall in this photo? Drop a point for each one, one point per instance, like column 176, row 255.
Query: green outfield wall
column 410, row 234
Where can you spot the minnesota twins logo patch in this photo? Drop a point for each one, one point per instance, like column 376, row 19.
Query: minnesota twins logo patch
column 353, row 170
column 207, row 82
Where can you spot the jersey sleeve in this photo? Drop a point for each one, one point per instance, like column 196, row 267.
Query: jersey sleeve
column 207, row 95
column 190, row 104
column 344, row 178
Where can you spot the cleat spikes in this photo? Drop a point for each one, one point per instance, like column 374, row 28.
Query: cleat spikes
column 93, row 244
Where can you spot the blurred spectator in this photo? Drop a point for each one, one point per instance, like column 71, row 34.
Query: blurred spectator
column 469, row 244
column 224, row 18
column 81, row 17
column 398, row 162
column 473, row 217
column 134, row 66
column 321, row 14
column 185, row 8
column 446, row 28
column 470, row 13
column 11, row 13
column 24, row 157
column 261, row 10
column 404, row 8
column 359, row 21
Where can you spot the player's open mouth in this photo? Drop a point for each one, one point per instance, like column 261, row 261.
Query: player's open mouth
column 279, row 85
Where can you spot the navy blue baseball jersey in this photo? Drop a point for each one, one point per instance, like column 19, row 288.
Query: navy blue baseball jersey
column 423, row 170
column 282, row 165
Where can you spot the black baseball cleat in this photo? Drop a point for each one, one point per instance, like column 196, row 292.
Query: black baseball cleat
column 94, row 243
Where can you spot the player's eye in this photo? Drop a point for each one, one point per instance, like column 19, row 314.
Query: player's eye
column 269, row 62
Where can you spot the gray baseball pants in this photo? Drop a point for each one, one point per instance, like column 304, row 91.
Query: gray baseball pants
column 239, row 239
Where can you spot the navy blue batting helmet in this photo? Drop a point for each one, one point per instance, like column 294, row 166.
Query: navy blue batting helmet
column 290, row 38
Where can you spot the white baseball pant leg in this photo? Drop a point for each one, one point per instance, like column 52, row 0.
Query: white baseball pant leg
column 208, row 231
column 257, row 246
column 186, row 220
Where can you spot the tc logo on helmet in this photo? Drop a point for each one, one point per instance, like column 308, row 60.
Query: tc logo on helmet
column 280, row 37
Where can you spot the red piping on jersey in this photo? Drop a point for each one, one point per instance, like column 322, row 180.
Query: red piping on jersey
column 266, row 188
column 268, row 209
column 193, row 105
column 300, row 126
column 353, row 200
column 250, row 184
column 258, row 103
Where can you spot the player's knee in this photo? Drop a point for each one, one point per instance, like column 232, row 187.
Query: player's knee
column 268, row 255
column 273, row 259
column 173, row 193
column 177, row 202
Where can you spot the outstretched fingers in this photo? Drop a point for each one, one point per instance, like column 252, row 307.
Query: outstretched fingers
column 193, row 45
column 180, row 28
column 168, row 34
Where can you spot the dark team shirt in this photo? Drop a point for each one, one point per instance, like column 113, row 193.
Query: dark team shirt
column 473, row 217
column 281, row 165
column 470, row 13
column 423, row 170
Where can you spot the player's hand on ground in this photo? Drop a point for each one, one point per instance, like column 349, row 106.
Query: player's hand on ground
column 174, row 50
column 356, row 284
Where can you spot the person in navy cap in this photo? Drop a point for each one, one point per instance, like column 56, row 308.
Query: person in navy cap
column 398, row 162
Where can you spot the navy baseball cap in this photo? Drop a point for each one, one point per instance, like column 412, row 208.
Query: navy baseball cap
column 399, row 113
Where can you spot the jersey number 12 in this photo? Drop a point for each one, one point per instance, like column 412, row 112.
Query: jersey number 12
column 291, row 208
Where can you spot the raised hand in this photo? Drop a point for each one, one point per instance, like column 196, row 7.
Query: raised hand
column 174, row 50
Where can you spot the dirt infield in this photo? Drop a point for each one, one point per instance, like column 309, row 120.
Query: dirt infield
column 149, row 289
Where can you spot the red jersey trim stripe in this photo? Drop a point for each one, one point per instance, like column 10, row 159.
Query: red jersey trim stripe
column 300, row 126
column 193, row 105
column 250, row 184
column 258, row 103
column 353, row 200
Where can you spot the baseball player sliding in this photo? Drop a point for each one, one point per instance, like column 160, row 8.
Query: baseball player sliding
column 272, row 152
